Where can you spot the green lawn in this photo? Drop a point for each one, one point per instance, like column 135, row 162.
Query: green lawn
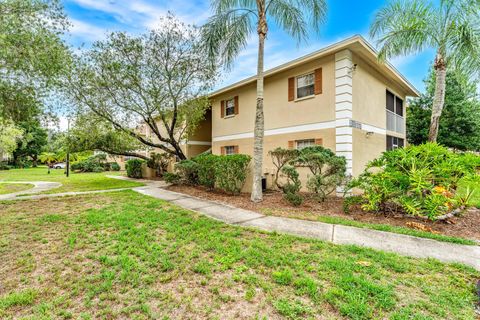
column 125, row 255
column 76, row 181
column 14, row 187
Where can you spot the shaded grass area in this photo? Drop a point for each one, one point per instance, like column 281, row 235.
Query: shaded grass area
column 124, row 255
column 395, row 229
column 14, row 187
column 76, row 181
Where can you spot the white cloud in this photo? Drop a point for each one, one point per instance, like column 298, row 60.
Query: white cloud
column 86, row 31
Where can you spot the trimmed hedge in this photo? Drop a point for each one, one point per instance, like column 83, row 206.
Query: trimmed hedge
column 231, row 172
column 227, row 173
column 134, row 168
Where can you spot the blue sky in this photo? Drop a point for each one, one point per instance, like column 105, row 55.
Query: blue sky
column 91, row 19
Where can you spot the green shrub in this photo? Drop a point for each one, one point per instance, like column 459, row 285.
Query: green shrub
column 231, row 172
column 114, row 166
column 327, row 169
column 4, row 166
column 280, row 158
column 172, row 178
column 187, row 170
column 95, row 163
column 206, row 169
column 294, row 199
column 417, row 180
column 292, row 188
column 134, row 168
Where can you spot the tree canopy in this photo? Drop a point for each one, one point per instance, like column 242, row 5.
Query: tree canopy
column 451, row 27
column 460, row 122
column 159, row 79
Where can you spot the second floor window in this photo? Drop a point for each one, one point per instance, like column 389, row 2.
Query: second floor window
column 305, row 85
column 230, row 107
column 395, row 120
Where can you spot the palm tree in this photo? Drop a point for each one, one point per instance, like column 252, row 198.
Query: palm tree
column 228, row 30
column 48, row 158
column 452, row 28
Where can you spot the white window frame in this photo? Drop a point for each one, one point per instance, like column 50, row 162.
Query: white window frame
column 308, row 85
column 232, row 107
column 229, row 150
column 300, row 144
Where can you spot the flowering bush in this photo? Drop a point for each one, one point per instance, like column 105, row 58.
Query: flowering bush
column 416, row 180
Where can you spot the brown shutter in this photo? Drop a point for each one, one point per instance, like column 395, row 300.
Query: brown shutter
column 291, row 144
column 319, row 142
column 236, row 104
column 318, row 81
column 222, row 151
column 291, row 89
column 235, row 149
column 222, row 107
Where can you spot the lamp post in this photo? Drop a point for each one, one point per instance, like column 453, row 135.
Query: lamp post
column 67, row 171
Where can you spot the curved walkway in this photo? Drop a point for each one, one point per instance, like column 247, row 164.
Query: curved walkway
column 339, row 234
column 39, row 186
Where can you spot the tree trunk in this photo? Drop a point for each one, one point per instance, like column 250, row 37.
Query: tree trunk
column 439, row 98
column 257, row 195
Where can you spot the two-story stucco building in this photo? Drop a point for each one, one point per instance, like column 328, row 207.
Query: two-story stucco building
column 341, row 97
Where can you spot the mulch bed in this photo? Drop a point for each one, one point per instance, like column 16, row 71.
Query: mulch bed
column 466, row 226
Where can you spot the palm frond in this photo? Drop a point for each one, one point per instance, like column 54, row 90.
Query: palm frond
column 288, row 17
column 226, row 33
column 405, row 27
column 464, row 46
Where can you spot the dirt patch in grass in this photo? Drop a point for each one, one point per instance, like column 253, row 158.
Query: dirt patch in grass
column 466, row 226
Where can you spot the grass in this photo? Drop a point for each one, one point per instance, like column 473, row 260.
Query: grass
column 76, row 181
column 125, row 255
column 395, row 229
column 14, row 187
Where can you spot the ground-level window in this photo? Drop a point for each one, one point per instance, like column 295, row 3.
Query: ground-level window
column 300, row 144
column 394, row 143
column 305, row 85
column 229, row 150
column 230, row 107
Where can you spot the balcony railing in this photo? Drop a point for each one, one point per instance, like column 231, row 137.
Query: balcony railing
column 395, row 122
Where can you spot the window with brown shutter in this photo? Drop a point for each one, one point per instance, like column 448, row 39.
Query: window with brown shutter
column 222, row 151
column 236, row 107
column 318, row 81
column 229, row 150
column 291, row 89
column 291, row 144
column 319, row 142
column 222, row 108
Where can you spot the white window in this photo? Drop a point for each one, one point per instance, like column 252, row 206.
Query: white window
column 305, row 85
column 230, row 107
column 229, row 150
column 305, row 143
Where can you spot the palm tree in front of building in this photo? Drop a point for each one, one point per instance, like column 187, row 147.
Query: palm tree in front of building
column 227, row 32
column 452, row 28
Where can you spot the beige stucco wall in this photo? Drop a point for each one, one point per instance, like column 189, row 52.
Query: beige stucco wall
column 279, row 112
column 366, row 148
column 369, row 94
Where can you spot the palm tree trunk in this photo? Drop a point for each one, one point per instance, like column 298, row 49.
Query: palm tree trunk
column 257, row 195
column 439, row 98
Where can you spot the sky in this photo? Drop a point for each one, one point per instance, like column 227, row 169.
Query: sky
column 93, row 19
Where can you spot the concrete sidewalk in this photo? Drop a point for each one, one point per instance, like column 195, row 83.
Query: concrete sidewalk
column 39, row 186
column 339, row 234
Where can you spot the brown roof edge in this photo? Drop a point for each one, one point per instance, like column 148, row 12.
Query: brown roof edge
column 357, row 39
